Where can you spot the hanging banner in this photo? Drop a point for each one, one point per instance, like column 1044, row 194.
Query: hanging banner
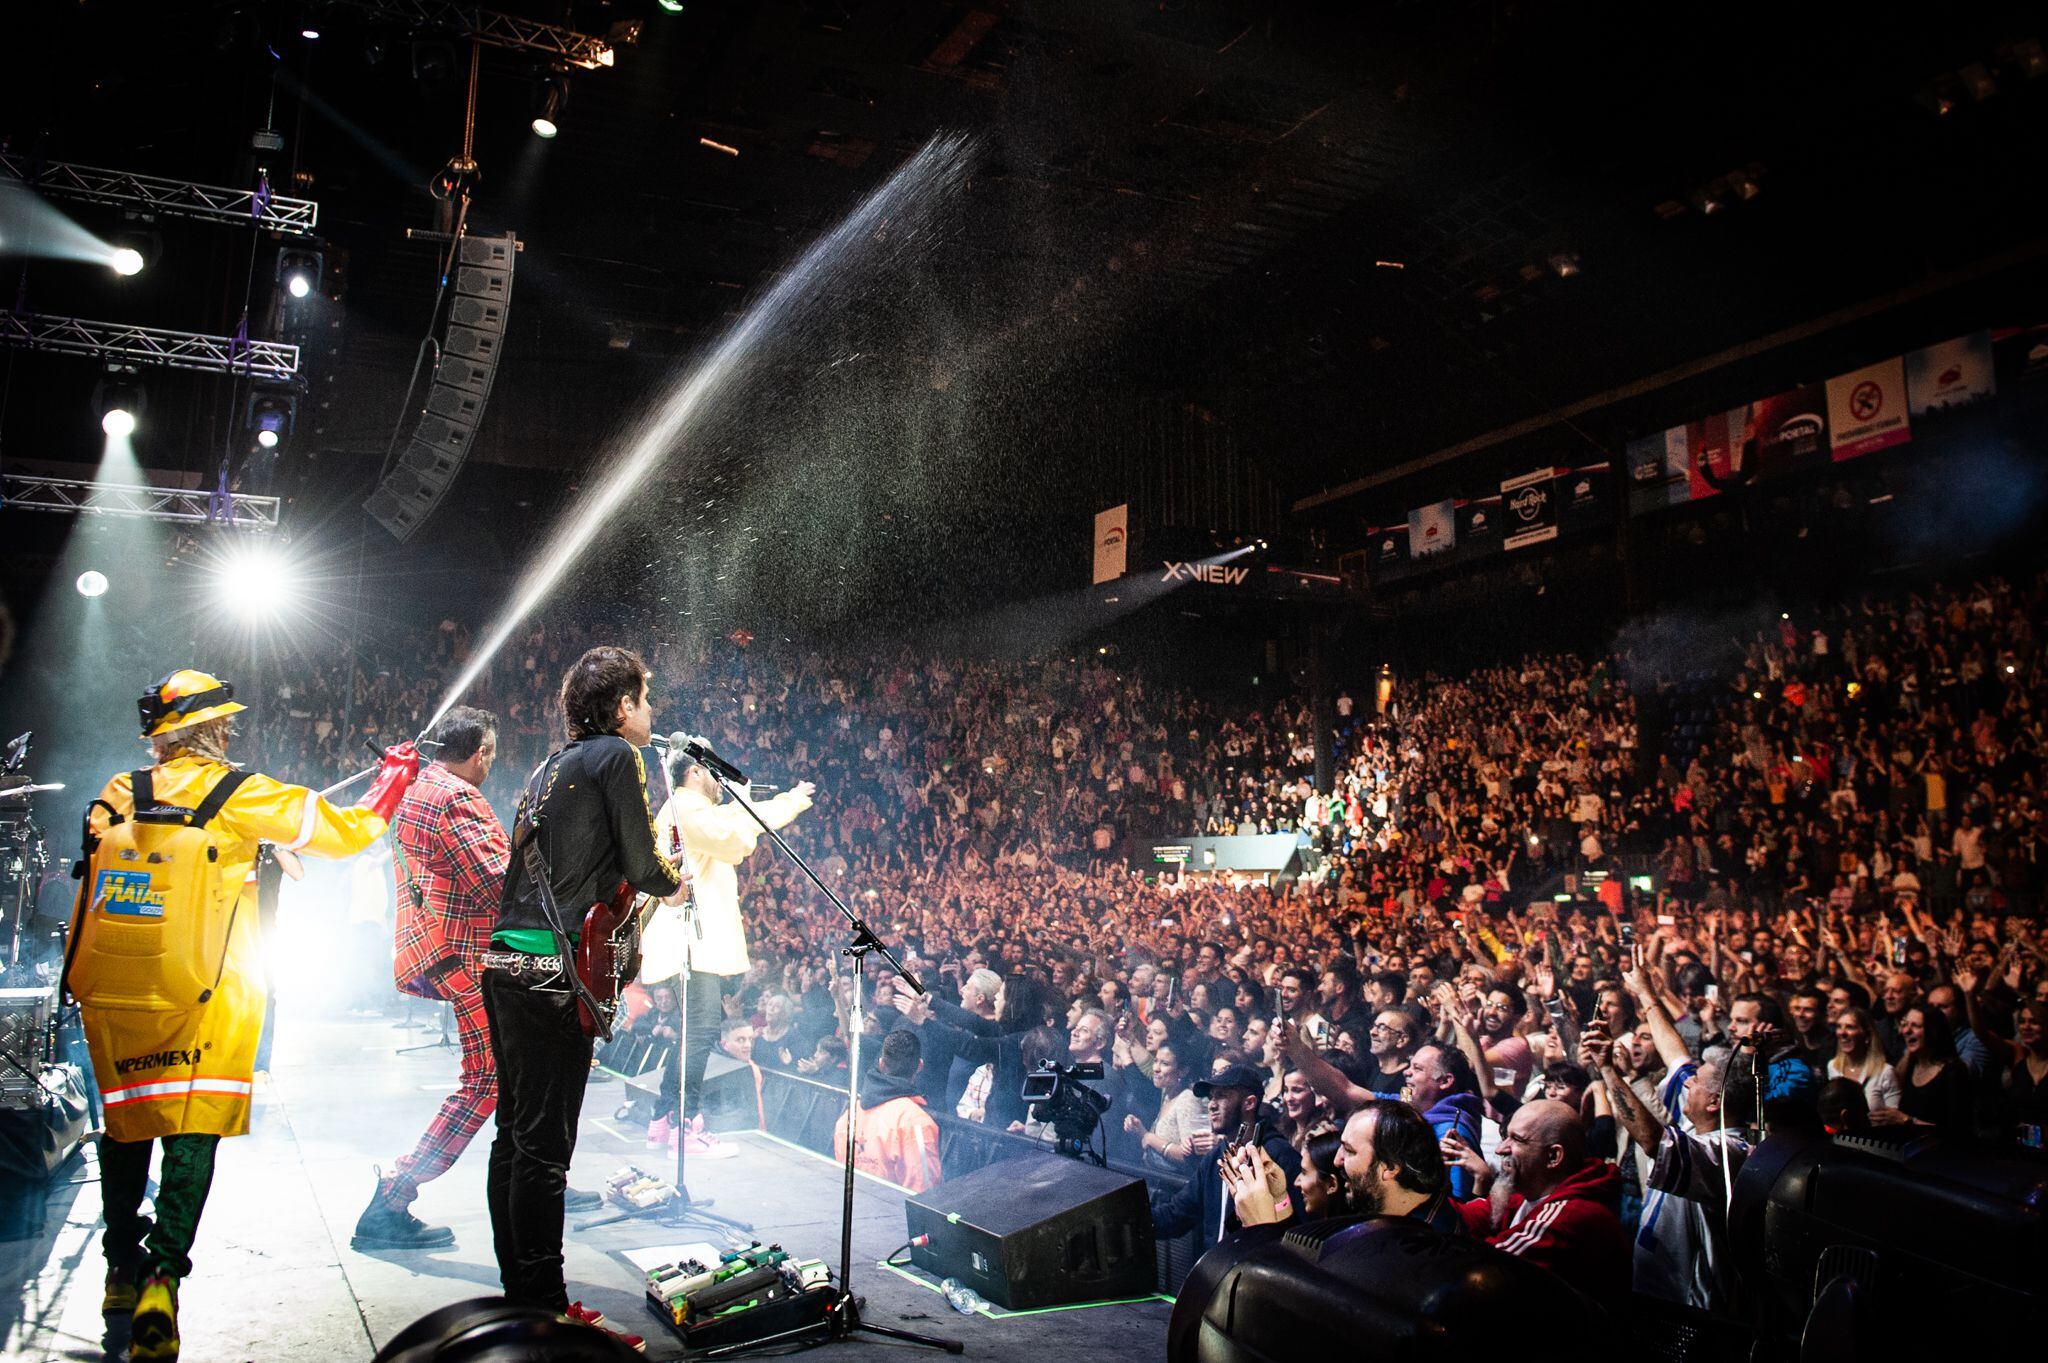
column 1659, row 471
column 1529, row 505
column 1788, row 432
column 1478, row 527
column 1867, row 409
column 1432, row 529
column 1714, row 452
column 1112, row 542
column 2020, row 355
column 1950, row 375
column 1585, row 497
column 1389, row 552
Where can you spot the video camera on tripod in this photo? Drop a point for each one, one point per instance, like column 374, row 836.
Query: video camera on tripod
column 1059, row 1099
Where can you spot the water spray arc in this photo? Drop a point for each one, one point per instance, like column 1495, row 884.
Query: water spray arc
column 892, row 215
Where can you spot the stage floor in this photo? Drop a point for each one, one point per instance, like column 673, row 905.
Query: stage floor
column 274, row 1276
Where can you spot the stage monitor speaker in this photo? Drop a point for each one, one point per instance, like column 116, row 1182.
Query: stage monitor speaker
column 1039, row 1230
column 727, row 1099
column 440, row 442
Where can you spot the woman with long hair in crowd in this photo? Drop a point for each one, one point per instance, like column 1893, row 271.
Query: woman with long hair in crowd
column 1934, row 1088
column 2025, row 1083
column 1301, row 1108
column 1858, row 1057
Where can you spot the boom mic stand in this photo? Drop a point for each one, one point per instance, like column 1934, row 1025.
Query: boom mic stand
column 843, row 1317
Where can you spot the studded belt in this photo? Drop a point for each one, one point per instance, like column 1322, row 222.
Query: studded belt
column 522, row 963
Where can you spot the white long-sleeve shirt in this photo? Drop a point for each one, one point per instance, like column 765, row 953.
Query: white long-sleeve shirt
column 708, row 934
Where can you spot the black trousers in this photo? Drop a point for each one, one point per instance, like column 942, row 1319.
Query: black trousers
column 707, row 1017
column 543, row 1065
column 137, row 1247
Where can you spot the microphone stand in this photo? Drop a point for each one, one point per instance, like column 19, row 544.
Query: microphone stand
column 843, row 1317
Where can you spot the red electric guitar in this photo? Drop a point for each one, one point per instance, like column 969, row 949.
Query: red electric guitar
column 608, row 956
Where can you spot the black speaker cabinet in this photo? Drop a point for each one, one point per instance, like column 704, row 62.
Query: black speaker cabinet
column 1040, row 1230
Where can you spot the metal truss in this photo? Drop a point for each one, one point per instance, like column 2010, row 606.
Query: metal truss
column 180, row 198
column 149, row 345
column 30, row 492
column 493, row 29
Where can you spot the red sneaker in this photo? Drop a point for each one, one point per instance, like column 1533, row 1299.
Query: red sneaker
column 584, row 1315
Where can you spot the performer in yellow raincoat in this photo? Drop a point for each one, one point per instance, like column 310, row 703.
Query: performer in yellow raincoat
column 183, row 1075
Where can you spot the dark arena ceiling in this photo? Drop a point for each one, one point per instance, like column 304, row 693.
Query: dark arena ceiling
column 1352, row 232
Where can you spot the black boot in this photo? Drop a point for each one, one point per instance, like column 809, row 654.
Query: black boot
column 386, row 1224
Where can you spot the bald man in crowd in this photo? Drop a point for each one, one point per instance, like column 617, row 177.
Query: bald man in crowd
column 1551, row 1203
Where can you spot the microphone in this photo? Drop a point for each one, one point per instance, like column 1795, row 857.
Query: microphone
column 699, row 750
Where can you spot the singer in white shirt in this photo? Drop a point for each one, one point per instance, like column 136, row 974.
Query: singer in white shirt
column 705, row 937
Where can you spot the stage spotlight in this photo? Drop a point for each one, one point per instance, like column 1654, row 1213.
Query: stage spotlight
column 554, row 97
column 271, row 418
column 254, row 581
column 672, row 6
column 310, row 34
column 299, row 271
column 92, row 582
column 125, row 262
column 119, row 404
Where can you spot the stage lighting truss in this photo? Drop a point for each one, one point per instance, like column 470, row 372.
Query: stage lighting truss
column 31, row 492
column 149, row 345
column 493, row 29
column 175, row 198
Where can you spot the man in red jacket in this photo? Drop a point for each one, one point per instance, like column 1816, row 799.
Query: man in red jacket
column 1551, row 1204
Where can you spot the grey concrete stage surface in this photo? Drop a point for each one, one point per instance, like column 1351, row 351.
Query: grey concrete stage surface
column 274, row 1277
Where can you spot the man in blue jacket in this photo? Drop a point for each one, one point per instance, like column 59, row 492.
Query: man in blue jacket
column 1442, row 1087
column 1202, row 1204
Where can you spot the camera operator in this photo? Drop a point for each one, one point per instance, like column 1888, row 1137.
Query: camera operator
column 1203, row 1204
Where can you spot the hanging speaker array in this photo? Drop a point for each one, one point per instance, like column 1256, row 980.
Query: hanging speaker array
column 441, row 440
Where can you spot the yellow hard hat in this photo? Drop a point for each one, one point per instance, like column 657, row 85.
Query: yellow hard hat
column 184, row 698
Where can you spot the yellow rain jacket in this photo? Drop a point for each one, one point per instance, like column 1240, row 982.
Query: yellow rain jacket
column 192, row 1070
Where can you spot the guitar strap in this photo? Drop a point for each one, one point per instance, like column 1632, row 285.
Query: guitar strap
column 529, row 821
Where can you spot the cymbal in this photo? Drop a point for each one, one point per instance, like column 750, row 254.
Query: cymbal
column 14, row 792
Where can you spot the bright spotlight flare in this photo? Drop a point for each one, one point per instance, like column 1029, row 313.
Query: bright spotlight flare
column 895, row 215
column 125, row 261
column 254, row 581
column 30, row 226
column 119, row 423
column 92, row 582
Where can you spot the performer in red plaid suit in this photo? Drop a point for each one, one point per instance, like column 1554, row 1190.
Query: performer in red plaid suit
column 450, row 859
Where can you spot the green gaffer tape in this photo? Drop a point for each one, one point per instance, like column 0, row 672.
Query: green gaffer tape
column 952, row 1218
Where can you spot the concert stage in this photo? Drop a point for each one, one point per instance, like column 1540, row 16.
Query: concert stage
column 275, row 1278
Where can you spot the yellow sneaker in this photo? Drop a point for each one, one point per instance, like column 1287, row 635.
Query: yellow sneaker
column 153, row 1335
column 119, row 1298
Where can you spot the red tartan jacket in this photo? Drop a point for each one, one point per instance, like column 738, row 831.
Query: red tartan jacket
column 450, row 867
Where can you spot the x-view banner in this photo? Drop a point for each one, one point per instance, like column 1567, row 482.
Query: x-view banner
column 1867, row 409
column 1529, row 508
column 1950, row 375
column 1432, row 529
column 1112, row 542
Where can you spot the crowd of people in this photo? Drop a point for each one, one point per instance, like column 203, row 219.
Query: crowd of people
column 1585, row 923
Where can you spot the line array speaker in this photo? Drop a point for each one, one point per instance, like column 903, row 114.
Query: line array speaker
column 462, row 385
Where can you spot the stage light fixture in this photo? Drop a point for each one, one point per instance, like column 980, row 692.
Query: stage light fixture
column 554, row 98
column 299, row 272
column 254, row 581
column 118, row 401
column 91, row 583
column 672, row 6
column 310, row 34
column 125, row 262
column 271, row 416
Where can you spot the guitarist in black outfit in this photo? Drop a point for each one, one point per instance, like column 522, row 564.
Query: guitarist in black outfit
column 583, row 818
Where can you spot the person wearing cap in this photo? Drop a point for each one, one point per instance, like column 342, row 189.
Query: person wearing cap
column 183, row 1076
column 700, row 828
column 1203, row 1204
